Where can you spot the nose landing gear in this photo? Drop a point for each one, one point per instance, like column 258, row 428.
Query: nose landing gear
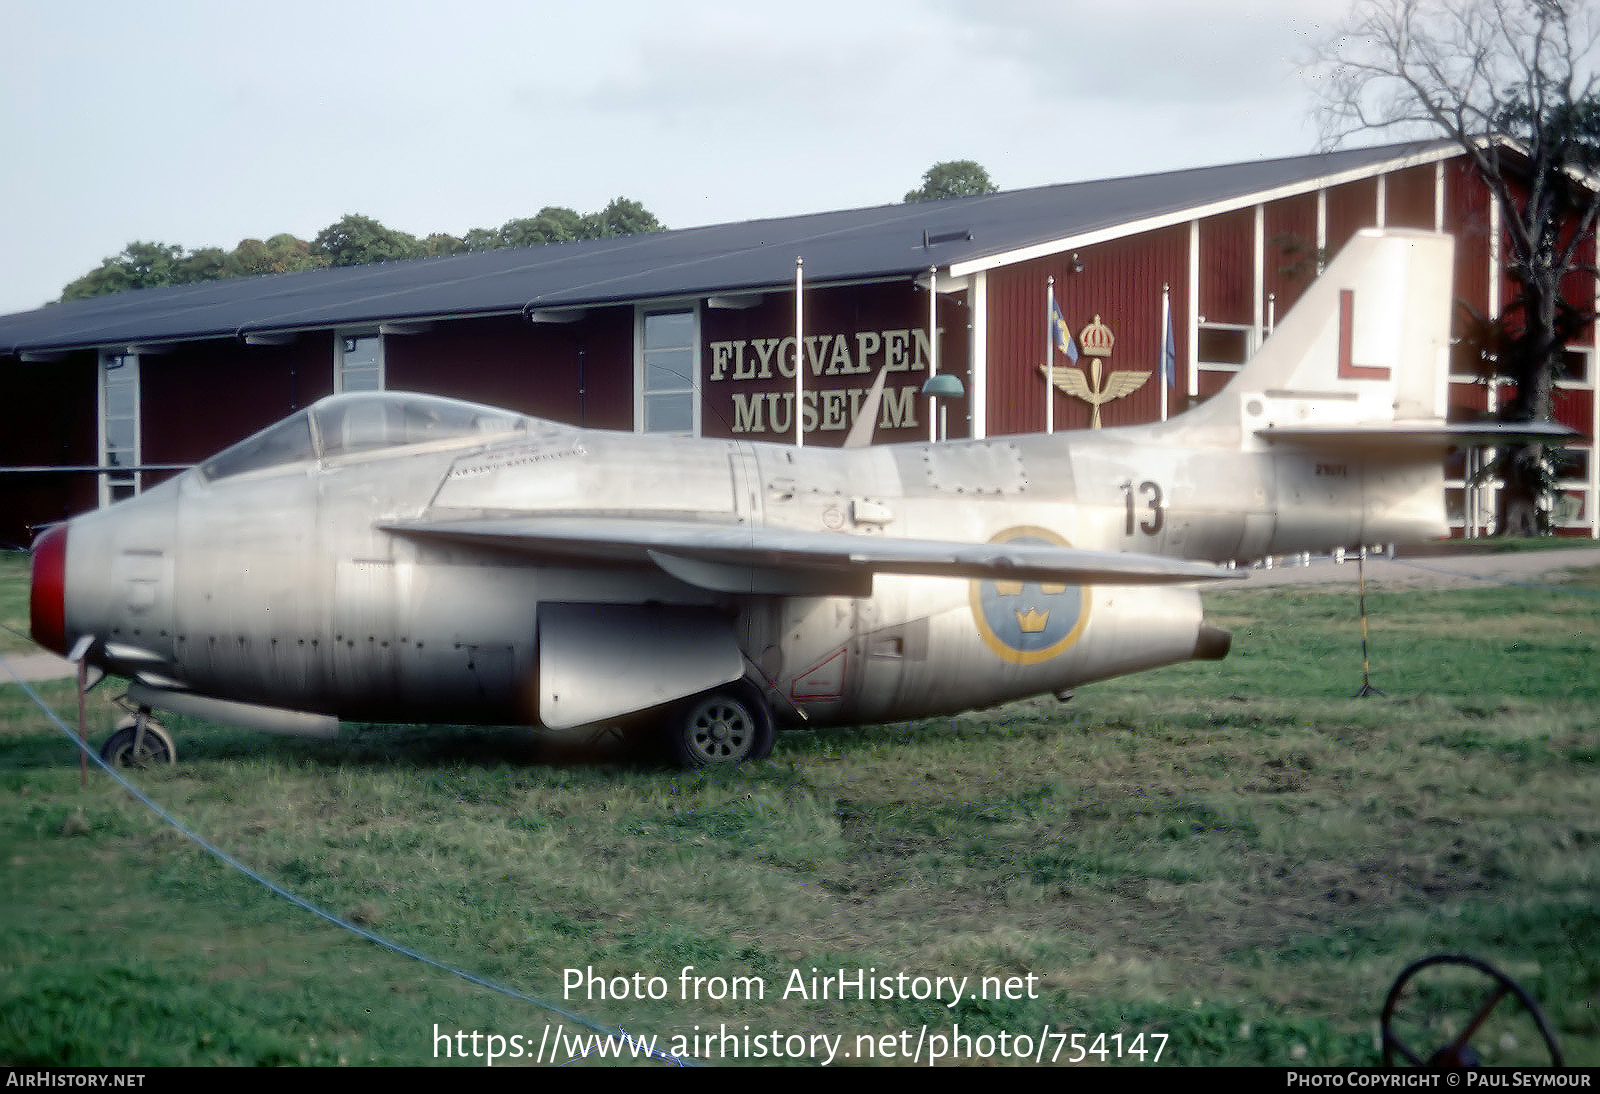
column 139, row 741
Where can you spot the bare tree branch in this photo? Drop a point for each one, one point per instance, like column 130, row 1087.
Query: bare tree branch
column 1512, row 83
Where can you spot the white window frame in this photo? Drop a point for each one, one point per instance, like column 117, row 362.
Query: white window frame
column 1588, row 355
column 110, row 491
column 339, row 338
column 1583, row 486
column 1478, row 503
column 1252, row 344
column 1588, row 486
column 641, row 313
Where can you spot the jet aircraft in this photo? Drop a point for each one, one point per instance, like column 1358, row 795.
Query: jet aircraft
column 393, row 557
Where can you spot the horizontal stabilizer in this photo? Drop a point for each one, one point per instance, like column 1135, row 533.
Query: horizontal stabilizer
column 1427, row 434
column 786, row 561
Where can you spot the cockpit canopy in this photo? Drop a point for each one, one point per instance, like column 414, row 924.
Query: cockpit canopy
column 341, row 425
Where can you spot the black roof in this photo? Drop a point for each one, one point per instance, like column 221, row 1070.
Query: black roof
column 857, row 244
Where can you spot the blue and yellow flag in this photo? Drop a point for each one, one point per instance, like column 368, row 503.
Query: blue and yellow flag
column 1169, row 351
column 1060, row 334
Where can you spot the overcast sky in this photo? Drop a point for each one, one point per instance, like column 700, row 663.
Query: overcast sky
column 204, row 123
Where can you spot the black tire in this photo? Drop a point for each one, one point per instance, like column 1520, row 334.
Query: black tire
column 730, row 724
column 129, row 748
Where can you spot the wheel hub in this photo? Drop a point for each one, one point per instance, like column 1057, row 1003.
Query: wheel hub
column 721, row 732
column 719, row 728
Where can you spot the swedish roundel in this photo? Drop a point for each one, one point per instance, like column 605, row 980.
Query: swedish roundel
column 1029, row 622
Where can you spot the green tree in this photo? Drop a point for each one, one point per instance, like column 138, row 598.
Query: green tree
column 355, row 240
column 108, row 277
column 206, row 264
column 552, row 224
column 1512, row 83
column 558, row 224
column 141, row 265
column 441, row 243
column 621, row 217
column 482, row 239
column 282, row 253
column 952, row 179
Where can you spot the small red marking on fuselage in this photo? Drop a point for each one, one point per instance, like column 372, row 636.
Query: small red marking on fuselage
column 822, row 681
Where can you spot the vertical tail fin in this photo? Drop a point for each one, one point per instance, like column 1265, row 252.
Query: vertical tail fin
column 1347, row 400
column 1366, row 347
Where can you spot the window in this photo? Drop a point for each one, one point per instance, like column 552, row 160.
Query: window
column 360, row 364
column 119, row 426
column 1575, row 365
column 1572, row 503
column 668, row 367
column 1571, row 465
column 1223, row 346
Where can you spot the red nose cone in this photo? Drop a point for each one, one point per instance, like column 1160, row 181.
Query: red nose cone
column 48, row 602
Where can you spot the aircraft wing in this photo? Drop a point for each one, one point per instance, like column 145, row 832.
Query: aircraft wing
column 735, row 558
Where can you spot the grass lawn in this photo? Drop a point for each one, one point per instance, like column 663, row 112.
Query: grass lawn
column 1232, row 859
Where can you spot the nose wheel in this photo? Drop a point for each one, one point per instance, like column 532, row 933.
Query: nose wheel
column 139, row 741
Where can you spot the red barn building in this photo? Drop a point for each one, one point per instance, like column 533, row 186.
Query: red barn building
column 695, row 331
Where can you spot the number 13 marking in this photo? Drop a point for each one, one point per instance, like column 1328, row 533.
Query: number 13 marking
column 1151, row 495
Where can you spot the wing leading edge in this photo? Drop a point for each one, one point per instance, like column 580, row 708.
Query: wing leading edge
column 783, row 561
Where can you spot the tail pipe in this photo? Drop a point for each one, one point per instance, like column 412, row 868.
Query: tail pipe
column 1212, row 643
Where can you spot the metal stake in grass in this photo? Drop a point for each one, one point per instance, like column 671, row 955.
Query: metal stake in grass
column 1366, row 665
column 83, row 723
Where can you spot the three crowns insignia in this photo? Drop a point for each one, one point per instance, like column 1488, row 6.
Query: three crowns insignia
column 1032, row 621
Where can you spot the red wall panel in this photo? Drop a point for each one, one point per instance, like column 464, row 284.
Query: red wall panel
column 1467, row 218
column 47, row 417
column 1291, row 259
column 1227, row 267
column 182, row 417
column 1351, row 207
column 1575, row 407
column 1121, row 283
column 1408, row 198
column 580, row 372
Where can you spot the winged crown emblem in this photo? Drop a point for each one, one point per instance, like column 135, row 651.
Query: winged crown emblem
column 1097, row 341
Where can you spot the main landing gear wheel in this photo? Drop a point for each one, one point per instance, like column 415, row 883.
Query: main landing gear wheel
column 1459, row 1008
column 730, row 724
column 139, row 741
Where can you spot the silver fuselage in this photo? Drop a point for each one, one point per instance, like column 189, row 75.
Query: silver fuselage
column 398, row 557
column 280, row 586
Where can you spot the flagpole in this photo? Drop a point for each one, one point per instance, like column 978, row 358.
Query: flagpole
column 935, row 406
column 799, row 351
column 1166, row 344
column 1049, row 341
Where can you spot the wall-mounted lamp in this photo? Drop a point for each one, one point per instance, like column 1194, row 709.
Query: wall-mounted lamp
column 1077, row 264
column 945, row 385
